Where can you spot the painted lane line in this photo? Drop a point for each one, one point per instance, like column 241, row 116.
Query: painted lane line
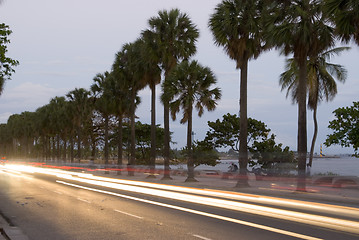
column 83, row 200
column 250, row 224
column 58, row 192
column 128, row 214
column 200, row 237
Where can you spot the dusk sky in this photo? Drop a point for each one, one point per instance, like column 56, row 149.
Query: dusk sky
column 62, row 45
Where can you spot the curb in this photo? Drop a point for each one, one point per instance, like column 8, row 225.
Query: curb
column 8, row 232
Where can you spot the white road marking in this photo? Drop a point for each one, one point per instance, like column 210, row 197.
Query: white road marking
column 83, row 200
column 200, row 237
column 255, row 225
column 58, row 192
column 128, row 214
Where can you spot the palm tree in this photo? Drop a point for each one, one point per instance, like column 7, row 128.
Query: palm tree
column 127, row 62
column 300, row 28
column 174, row 36
column 188, row 86
column 321, row 83
column 122, row 102
column 80, row 103
column 103, row 103
column 345, row 15
column 152, row 75
column 236, row 26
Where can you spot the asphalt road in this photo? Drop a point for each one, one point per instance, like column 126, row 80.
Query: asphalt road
column 58, row 206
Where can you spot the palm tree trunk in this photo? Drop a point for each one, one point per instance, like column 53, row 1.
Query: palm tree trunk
column 166, row 151
column 153, row 131
column 53, row 153
column 243, row 128
column 190, row 165
column 72, row 147
column 58, row 151
column 79, row 143
column 302, row 125
column 120, row 143
column 314, row 136
column 133, row 140
column 106, row 140
column 106, row 143
column 65, row 147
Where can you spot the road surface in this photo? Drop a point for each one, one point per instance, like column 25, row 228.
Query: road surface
column 54, row 204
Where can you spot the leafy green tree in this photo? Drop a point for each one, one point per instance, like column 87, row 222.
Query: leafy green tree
column 321, row 83
column 6, row 63
column 188, row 87
column 144, row 141
column 202, row 154
column 173, row 37
column 268, row 154
column 346, row 128
column 237, row 26
column 225, row 133
column 345, row 15
column 300, row 28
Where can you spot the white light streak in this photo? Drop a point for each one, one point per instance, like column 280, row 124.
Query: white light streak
column 284, row 232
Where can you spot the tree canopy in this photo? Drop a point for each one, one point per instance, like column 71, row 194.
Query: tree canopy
column 6, row 63
column 346, row 128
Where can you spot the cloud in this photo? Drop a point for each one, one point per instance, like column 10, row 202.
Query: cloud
column 4, row 117
column 26, row 97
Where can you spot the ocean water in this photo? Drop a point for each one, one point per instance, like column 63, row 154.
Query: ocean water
column 344, row 166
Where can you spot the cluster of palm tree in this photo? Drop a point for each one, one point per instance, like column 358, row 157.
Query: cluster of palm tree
column 305, row 29
column 164, row 49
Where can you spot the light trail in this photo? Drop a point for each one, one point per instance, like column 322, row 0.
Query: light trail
column 263, row 227
column 326, row 208
column 311, row 219
column 181, row 193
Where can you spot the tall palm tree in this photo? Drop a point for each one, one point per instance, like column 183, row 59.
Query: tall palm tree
column 103, row 103
column 173, row 37
column 122, row 102
column 80, row 102
column 127, row 61
column 300, row 28
column 188, row 87
column 236, row 26
column 321, row 83
column 345, row 15
column 150, row 62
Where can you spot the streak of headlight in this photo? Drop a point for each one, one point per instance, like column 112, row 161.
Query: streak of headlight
column 280, row 231
column 326, row 208
column 15, row 174
column 342, row 225
column 311, row 219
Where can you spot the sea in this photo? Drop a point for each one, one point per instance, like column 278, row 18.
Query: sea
column 338, row 165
